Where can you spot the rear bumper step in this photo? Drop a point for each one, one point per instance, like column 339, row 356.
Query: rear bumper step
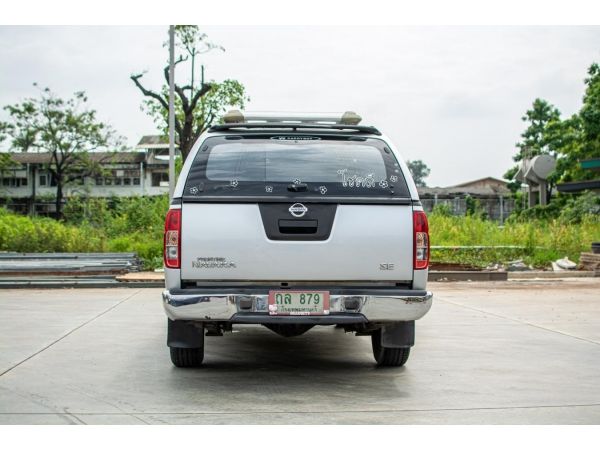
column 385, row 305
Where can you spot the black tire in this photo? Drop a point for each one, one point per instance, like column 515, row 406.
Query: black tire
column 186, row 357
column 388, row 357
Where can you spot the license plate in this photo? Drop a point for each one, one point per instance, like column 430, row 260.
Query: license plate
column 298, row 303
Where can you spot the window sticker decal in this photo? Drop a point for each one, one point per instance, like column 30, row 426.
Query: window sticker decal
column 393, row 178
column 383, row 183
column 355, row 180
column 194, row 190
column 297, row 181
column 233, row 183
column 269, row 189
column 323, row 190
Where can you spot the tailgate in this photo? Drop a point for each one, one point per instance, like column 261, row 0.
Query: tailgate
column 252, row 241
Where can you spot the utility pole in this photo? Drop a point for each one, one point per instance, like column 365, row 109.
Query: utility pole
column 171, row 110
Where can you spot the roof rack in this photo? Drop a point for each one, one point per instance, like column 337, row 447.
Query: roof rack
column 295, row 126
column 339, row 118
column 348, row 121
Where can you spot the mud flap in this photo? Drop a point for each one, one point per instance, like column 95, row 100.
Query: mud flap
column 185, row 334
column 398, row 335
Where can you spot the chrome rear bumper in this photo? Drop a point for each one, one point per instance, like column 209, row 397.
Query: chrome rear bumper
column 251, row 308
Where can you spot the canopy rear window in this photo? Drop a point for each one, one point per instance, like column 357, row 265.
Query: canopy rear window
column 295, row 166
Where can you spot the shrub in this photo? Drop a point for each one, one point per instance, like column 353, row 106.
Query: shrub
column 538, row 241
column 577, row 208
column 136, row 225
column 25, row 234
column 133, row 224
column 442, row 210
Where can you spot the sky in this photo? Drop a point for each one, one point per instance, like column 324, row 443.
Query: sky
column 450, row 96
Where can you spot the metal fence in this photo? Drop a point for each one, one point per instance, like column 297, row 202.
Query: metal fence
column 496, row 208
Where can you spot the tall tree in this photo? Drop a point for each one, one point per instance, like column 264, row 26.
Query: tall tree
column 66, row 129
column 534, row 141
column 578, row 137
column 419, row 171
column 565, row 138
column 570, row 140
column 198, row 104
column 590, row 120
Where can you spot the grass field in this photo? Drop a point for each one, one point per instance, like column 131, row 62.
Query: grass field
column 538, row 241
column 136, row 225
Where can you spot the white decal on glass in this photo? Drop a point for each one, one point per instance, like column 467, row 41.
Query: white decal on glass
column 355, row 180
column 233, row 183
column 322, row 190
column 269, row 189
column 193, row 190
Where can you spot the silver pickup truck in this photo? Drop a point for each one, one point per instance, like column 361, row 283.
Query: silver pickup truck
column 293, row 221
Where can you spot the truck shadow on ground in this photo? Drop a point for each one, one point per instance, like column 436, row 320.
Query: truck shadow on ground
column 322, row 348
column 269, row 371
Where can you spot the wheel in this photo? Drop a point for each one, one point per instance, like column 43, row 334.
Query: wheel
column 185, row 339
column 186, row 357
column 388, row 357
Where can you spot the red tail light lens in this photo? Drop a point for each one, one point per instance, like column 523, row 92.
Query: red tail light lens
column 172, row 242
column 421, row 240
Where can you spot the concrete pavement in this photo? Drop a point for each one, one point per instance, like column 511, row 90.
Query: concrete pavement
column 522, row 352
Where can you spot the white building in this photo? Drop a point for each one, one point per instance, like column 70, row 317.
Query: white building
column 29, row 187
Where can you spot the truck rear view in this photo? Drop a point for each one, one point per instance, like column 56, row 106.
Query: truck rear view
column 293, row 222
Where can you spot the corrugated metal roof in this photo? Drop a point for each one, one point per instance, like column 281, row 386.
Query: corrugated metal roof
column 578, row 186
column 101, row 157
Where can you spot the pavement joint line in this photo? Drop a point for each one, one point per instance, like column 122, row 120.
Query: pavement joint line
column 523, row 322
column 69, row 333
column 135, row 416
column 74, row 418
column 361, row 411
column 87, row 394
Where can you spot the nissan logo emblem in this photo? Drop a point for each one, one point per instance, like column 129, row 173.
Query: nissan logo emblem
column 298, row 210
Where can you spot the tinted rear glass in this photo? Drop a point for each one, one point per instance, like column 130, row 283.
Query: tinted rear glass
column 295, row 166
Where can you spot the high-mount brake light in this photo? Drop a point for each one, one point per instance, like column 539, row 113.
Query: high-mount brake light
column 172, row 239
column 338, row 118
column 421, row 240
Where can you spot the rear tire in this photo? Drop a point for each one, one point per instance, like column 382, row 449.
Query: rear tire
column 386, row 356
column 186, row 357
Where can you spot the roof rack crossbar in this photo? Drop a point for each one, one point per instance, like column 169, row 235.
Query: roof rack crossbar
column 294, row 126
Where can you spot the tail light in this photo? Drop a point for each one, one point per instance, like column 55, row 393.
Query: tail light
column 421, row 240
column 172, row 247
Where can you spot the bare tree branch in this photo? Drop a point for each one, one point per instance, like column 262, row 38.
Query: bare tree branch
column 198, row 95
column 148, row 93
